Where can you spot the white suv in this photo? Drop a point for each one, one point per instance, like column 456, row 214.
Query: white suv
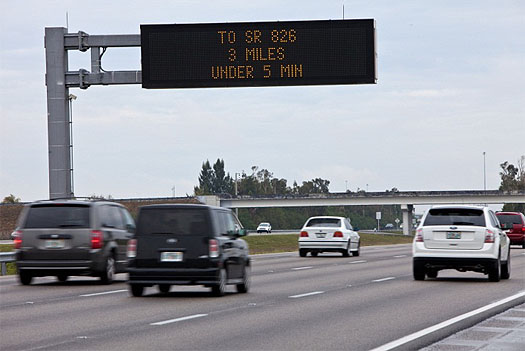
column 465, row 238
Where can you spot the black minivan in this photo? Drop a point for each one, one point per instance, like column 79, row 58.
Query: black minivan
column 188, row 244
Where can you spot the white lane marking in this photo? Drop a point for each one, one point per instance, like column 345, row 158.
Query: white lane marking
column 301, row 268
column 307, row 294
column 361, row 261
column 179, row 319
column 103, row 293
column 383, row 279
column 426, row 331
column 399, row 256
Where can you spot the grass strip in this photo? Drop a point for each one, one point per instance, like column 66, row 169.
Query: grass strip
column 288, row 242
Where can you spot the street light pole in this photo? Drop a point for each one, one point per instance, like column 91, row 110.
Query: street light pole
column 484, row 174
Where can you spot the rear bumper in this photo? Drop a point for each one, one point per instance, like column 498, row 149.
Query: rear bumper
column 186, row 276
column 478, row 264
column 325, row 245
column 54, row 267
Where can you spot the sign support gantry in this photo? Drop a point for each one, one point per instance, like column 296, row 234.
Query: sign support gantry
column 58, row 81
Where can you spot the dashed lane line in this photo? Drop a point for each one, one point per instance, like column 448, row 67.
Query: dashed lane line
column 180, row 319
column 301, row 268
column 103, row 293
column 306, row 294
column 383, row 279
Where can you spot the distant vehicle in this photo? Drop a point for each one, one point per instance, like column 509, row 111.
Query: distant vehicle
column 513, row 223
column 328, row 234
column 72, row 237
column 264, row 227
column 465, row 238
column 389, row 226
column 181, row 244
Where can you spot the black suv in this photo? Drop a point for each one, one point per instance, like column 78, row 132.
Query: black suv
column 72, row 237
column 181, row 244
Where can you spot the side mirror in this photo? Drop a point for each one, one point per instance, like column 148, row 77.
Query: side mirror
column 130, row 228
column 356, row 229
column 242, row 232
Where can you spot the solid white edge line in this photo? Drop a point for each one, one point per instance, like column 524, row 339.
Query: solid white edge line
column 301, row 268
column 103, row 293
column 383, row 279
column 399, row 256
column 416, row 335
column 307, row 294
column 179, row 319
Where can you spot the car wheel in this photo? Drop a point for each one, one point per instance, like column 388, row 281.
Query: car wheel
column 432, row 273
column 418, row 271
column 346, row 252
column 505, row 268
column 314, row 253
column 358, row 252
column 495, row 271
column 136, row 290
column 246, row 279
column 523, row 244
column 62, row 277
column 164, row 288
column 220, row 288
column 108, row 274
column 302, row 252
column 25, row 278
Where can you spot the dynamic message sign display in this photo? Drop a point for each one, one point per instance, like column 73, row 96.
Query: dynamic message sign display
column 258, row 54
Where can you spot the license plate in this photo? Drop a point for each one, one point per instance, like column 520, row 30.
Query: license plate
column 55, row 244
column 453, row 235
column 171, row 256
column 320, row 235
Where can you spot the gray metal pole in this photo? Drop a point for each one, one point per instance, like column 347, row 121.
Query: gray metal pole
column 58, row 129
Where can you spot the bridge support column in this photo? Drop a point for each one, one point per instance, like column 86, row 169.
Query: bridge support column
column 407, row 218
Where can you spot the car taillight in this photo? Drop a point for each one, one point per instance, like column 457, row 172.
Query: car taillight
column 304, row 234
column 96, row 239
column 338, row 234
column 214, row 248
column 489, row 236
column 17, row 239
column 132, row 248
column 419, row 235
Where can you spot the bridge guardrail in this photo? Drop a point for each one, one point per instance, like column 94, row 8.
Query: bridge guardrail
column 6, row 257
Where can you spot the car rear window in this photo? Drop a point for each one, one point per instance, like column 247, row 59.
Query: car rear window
column 180, row 221
column 455, row 216
column 324, row 222
column 507, row 221
column 57, row 216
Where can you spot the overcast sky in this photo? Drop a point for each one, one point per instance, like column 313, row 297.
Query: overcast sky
column 450, row 87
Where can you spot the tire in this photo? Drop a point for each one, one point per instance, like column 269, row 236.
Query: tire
column 246, row 280
column 523, row 244
column 106, row 277
column 164, row 288
column 358, row 252
column 346, row 252
column 62, row 277
column 505, row 268
column 25, row 278
column 418, row 270
column 136, row 290
column 302, row 252
column 219, row 289
column 314, row 253
column 432, row 274
column 495, row 271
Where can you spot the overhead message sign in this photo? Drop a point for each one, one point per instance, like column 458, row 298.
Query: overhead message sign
column 258, row 54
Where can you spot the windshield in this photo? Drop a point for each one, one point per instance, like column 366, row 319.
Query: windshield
column 179, row 221
column 455, row 216
column 58, row 216
column 264, row 225
column 324, row 222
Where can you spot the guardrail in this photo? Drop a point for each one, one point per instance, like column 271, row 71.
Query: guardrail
column 6, row 257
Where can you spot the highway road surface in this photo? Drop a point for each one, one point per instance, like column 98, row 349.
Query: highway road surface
column 324, row 303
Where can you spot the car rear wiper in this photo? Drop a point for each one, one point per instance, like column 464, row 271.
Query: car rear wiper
column 463, row 223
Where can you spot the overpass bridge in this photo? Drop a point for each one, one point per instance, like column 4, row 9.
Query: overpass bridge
column 406, row 199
